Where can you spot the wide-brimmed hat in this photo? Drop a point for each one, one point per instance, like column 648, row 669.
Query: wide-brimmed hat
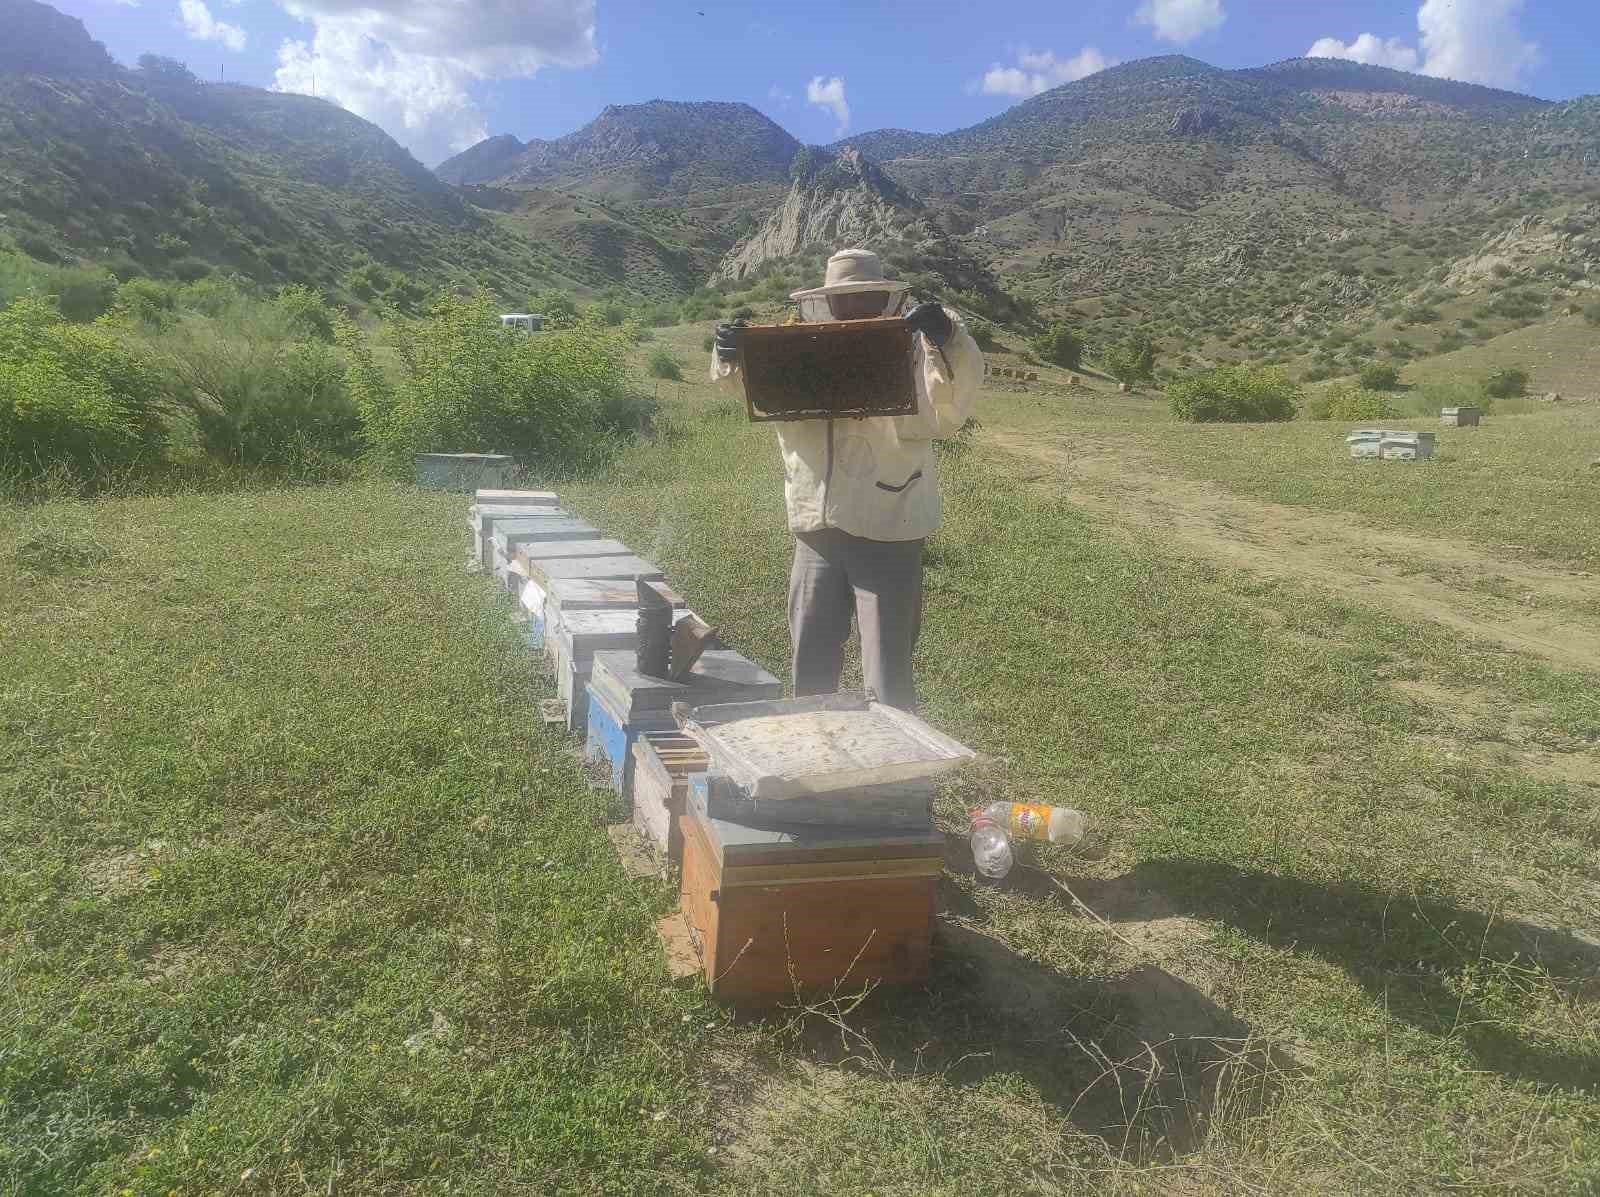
column 851, row 271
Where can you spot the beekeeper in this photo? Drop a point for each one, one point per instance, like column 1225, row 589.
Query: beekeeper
column 863, row 494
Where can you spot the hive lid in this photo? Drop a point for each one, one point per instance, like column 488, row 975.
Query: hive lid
column 791, row 748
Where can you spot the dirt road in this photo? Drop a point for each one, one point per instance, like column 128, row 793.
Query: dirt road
column 1514, row 604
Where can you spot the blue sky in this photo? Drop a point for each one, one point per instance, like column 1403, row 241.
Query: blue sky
column 439, row 73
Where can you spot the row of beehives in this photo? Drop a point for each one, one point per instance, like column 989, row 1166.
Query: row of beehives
column 1011, row 372
column 765, row 905
column 1390, row 444
column 578, row 592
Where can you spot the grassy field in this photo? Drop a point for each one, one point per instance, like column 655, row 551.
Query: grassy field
column 297, row 891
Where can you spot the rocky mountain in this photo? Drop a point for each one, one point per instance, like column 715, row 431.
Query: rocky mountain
column 152, row 171
column 835, row 200
column 641, row 151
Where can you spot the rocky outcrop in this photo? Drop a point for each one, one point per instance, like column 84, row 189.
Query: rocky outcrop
column 835, row 201
column 1527, row 246
column 1196, row 121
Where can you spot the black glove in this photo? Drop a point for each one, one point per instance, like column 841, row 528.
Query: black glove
column 931, row 321
column 727, row 340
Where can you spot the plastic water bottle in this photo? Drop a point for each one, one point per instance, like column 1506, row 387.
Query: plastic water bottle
column 1037, row 821
column 994, row 826
column 991, row 847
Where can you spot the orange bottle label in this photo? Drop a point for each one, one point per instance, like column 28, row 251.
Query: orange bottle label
column 1029, row 820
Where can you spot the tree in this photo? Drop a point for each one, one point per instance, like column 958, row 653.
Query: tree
column 1060, row 346
column 1132, row 362
column 1235, row 395
column 1379, row 376
column 160, row 70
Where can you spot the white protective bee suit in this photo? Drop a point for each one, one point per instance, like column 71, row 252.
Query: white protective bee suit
column 862, row 495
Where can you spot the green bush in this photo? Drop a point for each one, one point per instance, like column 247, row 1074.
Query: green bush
column 1059, row 345
column 1379, row 376
column 73, row 398
column 982, row 332
column 305, row 313
column 1235, row 394
column 1508, row 382
column 1592, row 313
column 1350, row 403
column 559, row 402
column 664, row 365
column 1132, row 363
column 256, row 389
column 146, row 304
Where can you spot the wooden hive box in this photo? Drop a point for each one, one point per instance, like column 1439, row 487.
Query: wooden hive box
column 628, row 702
column 567, row 595
column 513, row 565
column 834, row 906
column 830, row 369
column 483, row 517
column 663, row 762
column 547, row 498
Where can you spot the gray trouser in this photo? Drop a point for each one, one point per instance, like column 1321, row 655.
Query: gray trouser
column 881, row 581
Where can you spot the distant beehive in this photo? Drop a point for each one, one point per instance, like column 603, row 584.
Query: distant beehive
column 1461, row 417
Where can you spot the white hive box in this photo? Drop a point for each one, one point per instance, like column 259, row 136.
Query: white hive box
column 546, row 498
column 483, row 517
column 462, row 471
column 512, row 567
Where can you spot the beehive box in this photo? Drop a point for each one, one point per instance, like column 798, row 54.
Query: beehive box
column 1460, row 417
column 815, row 371
column 609, row 736
column 663, row 763
column 546, row 498
column 640, row 702
column 482, row 518
column 513, row 566
column 770, row 910
column 566, row 595
column 462, row 471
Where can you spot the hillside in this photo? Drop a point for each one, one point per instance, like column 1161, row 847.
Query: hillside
column 641, row 151
column 151, row 171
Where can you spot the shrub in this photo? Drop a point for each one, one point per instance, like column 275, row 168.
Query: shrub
column 256, row 390
column 1592, row 313
column 559, row 309
column 305, row 313
column 560, row 402
column 1235, row 394
column 1133, row 362
column 982, row 332
column 1350, row 403
column 710, row 342
column 72, row 397
column 146, row 304
column 664, row 365
column 81, row 294
column 1379, row 376
column 1060, row 346
column 1508, row 382
column 190, row 269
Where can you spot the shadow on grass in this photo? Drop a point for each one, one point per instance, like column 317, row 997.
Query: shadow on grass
column 1448, row 971
column 1141, row 1060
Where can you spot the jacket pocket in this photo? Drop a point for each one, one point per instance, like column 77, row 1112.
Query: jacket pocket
column 894, row 490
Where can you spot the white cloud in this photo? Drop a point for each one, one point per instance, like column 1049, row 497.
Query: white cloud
column 777, row 93
column 1181, row 20
column 829, row 94
column 1474, row 41
column 406, row 65
column 1040, row 72
column 200, row 25
column 1368, row 49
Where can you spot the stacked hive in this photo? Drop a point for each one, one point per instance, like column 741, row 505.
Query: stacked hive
column 807, row 857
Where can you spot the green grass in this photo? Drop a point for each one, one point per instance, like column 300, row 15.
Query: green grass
column 272, row 794
column 1519, row 483
column 274, row 798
